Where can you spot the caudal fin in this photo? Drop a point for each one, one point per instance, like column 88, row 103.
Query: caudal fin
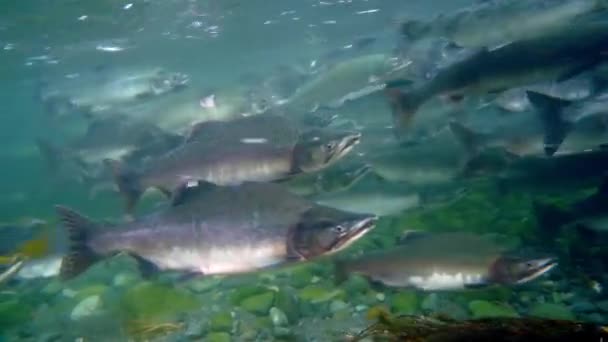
column 128, row 182
column 403, row 106
column 550, row 110
column 550, row 218
column 80, row 256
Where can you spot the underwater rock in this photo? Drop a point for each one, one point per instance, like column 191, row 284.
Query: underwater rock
column 485, row 309
column 218, row 337
column 300, row 276
column 282, row 332
column 245, row 291
column 278, row 317
column 551, row 311
column 337, row 305
column 583, row 306
column 85, row 308
column 356, row 284
column 319, row 294
column 203, row 284
column 405, row 302
column 13, row 312
column 430, row 302
column 151, row 301
column 125, row 279
column 221, row 321
column 602, row 305
column 259, row 304
column 91, row 290
column 53, row 287
column 287, row 301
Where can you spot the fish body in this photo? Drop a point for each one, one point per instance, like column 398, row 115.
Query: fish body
column 211, row 229
column 494, row 23
column 344, row 79
column 103, row 90
column 445, row 261
column 230, row 161
column 554, row 57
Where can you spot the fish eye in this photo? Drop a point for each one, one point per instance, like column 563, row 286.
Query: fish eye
column 330, row 145
column 340, row 229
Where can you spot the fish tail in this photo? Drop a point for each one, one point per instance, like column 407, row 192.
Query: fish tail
column 550, row 218
column 80, row 256
column 550, row 110
column 340, row 271
column 404, row 106
column 128, row 182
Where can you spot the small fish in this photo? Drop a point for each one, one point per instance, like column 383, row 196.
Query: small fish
column 555, row 57
column 494, row 23
column 222, row 158
column 210, row 229
column 445, row 261
column 103, row 89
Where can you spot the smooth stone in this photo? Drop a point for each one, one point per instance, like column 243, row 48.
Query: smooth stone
column 594, row 318
column 204, row 284
column 278, row 317
column 52, row 288
column 405, row 302
column 153, row 301
column 87, row 307
column 551, row 311
column 259, row 304
column 430, row 302
column 125, row 278
column 319, row 294
column 91, row 291
column 243, row 292
column 380, row 297
column 361, row 307
column 602, row 305
column 337, row 305
column 218, row 337
column 221, row 321
column 287, row 300
column 356, row 284
column 583, row 306
column 69, row 293
column 485, row 309
column 281, row 332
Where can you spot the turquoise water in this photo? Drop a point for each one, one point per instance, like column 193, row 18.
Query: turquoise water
column 247, row 53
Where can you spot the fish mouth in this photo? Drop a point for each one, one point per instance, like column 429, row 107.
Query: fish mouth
column 347, row 144
column 357, row 231
column 542, row 266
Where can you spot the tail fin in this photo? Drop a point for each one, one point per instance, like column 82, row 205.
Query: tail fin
column 128, row 182
column 550, row 110
column 79, row 256
column 53, row 154
column 550, row 218
column 403, row 106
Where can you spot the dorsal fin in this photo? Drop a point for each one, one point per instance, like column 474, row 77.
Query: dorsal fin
column 550, row 111
column 189, row 190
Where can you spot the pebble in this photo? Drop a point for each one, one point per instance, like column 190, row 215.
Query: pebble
column 278, row 317
column 361, row 307
column 582, row 306
column 337, row 305
column 86, row 307
column 69, row 293
column 381, row 297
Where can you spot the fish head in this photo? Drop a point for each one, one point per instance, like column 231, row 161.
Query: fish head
column 317, row 149
column 517, row 270
column 165, row 81
column 324, row 230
